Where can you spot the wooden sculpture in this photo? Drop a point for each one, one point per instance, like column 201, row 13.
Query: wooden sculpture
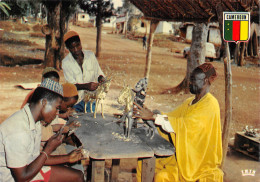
column 98, row 95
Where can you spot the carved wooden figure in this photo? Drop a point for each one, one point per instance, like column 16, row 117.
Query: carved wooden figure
column 98, row 95
column 140, row 90
column 126, row 98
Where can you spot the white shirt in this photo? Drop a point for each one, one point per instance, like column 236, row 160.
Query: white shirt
column 73, row 73
column 20, row 139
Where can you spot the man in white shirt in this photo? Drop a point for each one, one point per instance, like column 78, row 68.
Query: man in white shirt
column 81, row 68
column 20, row 137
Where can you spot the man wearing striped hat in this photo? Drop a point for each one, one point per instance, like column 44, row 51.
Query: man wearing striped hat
column 81, row 68
column 20, row 137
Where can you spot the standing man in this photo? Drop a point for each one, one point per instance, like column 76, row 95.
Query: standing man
column 81, row 68
column 195, row 130
column 20, row 137
column 144, row 42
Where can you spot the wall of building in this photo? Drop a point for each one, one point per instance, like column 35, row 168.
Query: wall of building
column 164, row 27
column 83, row 17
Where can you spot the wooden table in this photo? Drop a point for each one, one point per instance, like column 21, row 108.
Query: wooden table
column 243, row 143
column 103, row 138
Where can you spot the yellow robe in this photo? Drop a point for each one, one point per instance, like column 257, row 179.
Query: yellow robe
column 198, row 143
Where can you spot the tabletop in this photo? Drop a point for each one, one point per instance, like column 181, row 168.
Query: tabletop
column 104, row 139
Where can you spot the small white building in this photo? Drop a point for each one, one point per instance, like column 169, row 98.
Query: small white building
column 82, row 17
column 189, row 33
column 139, row 25
column 164, row 27
column 120, row 24
column 214, row 35
column 110, row 22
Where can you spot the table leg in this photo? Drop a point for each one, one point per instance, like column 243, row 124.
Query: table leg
column 148, row 169
column 115, row 170
column 97, row 173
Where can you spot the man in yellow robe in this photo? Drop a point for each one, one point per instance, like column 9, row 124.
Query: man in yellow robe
column 195, row 130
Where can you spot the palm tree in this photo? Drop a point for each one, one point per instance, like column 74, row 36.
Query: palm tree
column 4, row 7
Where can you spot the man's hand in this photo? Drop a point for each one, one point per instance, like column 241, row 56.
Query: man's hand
column 70, row 111
column 101, row 79
column 92, row 86
column 64, row 115
column 143, row 112
column 54, row 142
column 75, row 155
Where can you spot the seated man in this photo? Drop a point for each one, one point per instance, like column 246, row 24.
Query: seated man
column 69, row 100
column 81, row 68
column 195, row 130
column 70, row 97
column 20, row 156
column 70, row 94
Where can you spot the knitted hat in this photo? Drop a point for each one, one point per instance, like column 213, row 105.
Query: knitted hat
column 52, row 86
column 70, row 34
column 49, row 69
column 209, row 71
column 69, row 90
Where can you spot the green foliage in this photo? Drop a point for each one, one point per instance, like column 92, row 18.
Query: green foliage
column 4, row 7
column 68, row 6
column 127, row 5
column 91, row 7
column 19, row 8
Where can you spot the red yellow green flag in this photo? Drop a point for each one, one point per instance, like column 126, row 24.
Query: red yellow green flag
column 236, row 26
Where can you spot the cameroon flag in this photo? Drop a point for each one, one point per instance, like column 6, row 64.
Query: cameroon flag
column 236, row 30
column 236, row 26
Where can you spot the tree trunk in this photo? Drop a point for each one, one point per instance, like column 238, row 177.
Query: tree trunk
column 228, row 104
column 255, row 44
column 241, row 60
column 237, row 52
column 246, row 52
column 52, row 58
column 43, row 13
column 228, row 87
column 197, row 49
column 195, row 58
column 126, row 21
column 250, row 47
column 36, row 11
column 153, row 26
column 99, row 28
column 63, row 30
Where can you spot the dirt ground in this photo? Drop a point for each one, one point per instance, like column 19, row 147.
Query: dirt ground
column 124, row 60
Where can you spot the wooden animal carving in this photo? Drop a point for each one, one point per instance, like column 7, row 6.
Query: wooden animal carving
column 126, row 98
column 140, row 90
column 98, row 95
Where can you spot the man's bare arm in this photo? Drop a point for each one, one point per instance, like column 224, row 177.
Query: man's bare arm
column 27, row 173
column 91, row 86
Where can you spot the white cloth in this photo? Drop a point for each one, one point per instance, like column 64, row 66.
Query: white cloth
column 163, row 121
column 73, row 73
column 20, row 139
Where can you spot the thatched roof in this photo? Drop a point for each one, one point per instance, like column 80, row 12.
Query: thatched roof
column 194, row 10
